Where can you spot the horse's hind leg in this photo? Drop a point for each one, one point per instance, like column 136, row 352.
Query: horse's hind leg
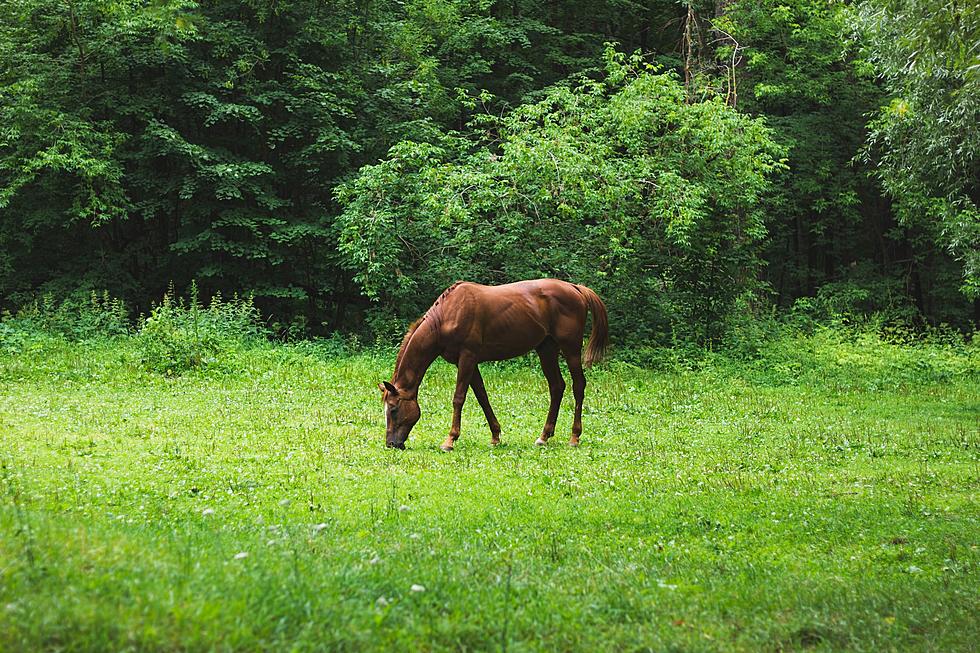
column 574, row 359
column 548, row 353
column 476, row 382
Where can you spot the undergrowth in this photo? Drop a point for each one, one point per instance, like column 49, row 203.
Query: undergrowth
column 187, row 335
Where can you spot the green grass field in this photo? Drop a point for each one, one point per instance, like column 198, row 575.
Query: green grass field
column 823, row 498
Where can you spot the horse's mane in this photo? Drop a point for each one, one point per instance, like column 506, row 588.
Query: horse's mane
column 408, row 336
column 415, row 325
column 445, row 293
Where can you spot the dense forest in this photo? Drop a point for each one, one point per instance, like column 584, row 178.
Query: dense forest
column 697, row 163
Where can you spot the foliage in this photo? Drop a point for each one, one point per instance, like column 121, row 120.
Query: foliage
column 846, row 302
column 768, row 509
column 865, row 359
column 180, row 335
column 74, row 319
column 924, row 141
column 145, row 143
column 799, row 71
column 620, row 184
column 148, row 143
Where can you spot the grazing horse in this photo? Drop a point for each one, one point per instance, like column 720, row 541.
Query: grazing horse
column 470, row 323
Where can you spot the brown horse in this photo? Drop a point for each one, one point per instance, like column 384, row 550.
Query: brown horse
column 469, row 324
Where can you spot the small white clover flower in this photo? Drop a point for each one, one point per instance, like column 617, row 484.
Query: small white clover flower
column 285, row 502
column 240, row 555
column 375, row 560
column 382, row 602
column 207, row 512
column 418, row 588
column 319, row 527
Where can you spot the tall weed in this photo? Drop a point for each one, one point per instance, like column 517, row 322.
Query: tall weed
column 74, row 319
column 183, row 335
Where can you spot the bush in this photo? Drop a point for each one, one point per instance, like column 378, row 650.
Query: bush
column 182, row 335
column 13, row 340
column 74, row 319
column 623, row 184
column 861, row 298
column 337, row 345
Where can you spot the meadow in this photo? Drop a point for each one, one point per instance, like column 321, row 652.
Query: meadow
column 823, row 496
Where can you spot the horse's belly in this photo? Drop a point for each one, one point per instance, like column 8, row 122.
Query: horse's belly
column 516, row 342
column 511, row 332
column 491, row 351
column 498, row 353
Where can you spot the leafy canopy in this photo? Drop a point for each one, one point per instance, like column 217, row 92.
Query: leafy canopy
column 621, row 184
column 924, row 140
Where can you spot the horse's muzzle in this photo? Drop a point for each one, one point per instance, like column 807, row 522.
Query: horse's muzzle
column 395, row 445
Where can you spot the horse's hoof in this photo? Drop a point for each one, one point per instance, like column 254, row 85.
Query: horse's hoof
column 573, row 442
column 445, row 447
column 540, row 442
column 494, row 443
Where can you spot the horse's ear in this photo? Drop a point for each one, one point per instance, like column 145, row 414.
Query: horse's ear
column 390, row 388
column 381, row 387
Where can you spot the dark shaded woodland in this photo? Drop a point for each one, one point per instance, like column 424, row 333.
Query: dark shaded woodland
column 696, row 164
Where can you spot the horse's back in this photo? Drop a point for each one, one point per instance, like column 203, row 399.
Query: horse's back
column 542, row 299
column 509, row 320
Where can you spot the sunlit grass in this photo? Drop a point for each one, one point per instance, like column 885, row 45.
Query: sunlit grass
column 729, row 508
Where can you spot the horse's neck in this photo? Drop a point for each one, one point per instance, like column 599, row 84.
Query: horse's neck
column 422, row 349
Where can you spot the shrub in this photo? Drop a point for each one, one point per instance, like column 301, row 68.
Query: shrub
column 862, row 298
column 622, row 184
column 12, row 339
column 182, row 335
column 74, row 319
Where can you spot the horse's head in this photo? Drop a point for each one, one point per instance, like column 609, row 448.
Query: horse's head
column 401, row 414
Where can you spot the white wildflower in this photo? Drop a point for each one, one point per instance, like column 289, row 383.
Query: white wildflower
column 418, row 588
column 240, row 555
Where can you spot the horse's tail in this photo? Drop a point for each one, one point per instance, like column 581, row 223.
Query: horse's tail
column 599, row 340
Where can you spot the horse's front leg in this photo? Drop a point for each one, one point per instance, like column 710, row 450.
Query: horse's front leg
column 476, row 382
column 466, row 364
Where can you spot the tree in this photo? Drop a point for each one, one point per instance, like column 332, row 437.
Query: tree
column 144, row 143
column 621, row 184
column 924, row 142
column 798, row 73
